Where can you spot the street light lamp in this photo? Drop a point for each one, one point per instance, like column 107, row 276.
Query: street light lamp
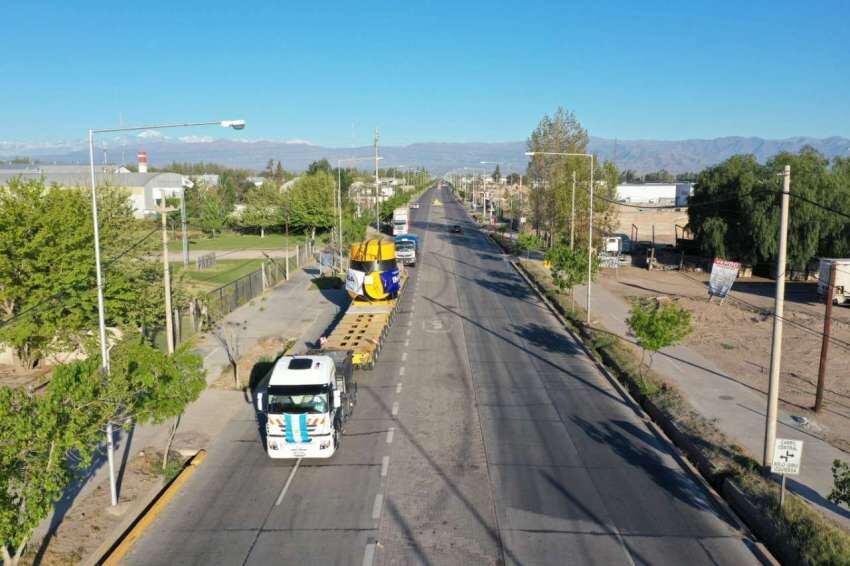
column 101, row 318
column 590, row 214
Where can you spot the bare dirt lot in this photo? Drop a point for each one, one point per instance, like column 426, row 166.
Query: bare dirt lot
column 664, row 222
column 737, row 335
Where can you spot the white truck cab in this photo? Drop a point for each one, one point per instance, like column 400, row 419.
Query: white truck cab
column 305, row 401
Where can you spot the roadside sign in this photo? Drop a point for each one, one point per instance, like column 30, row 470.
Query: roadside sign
column 723, row 275
column 787, row 454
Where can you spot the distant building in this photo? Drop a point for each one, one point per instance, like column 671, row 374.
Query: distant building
column 655, row 193
column 144, row 189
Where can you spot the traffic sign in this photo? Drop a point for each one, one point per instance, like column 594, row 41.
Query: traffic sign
column 786, row 456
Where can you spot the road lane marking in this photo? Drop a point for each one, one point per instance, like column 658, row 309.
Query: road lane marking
column 288, row 481
column 385, row 465
column 408, row 332
column 404, row 356
column 398, row 389
column 376, row 507
column 369, row 554
column 401, row 371
column 395, row 409
column 407, row 343
column 390, row 434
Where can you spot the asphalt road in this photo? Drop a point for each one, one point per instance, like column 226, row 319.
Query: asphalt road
column 483, row 436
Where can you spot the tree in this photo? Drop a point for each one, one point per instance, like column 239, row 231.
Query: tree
column 213, row 212
column 229, row 335
column 262, row 208
column 569, row 266
column 310, row 203
column 657, row 325
column 513, row 178
column 48, row 297
column 841, row 479
column 50, row 439
column 317, row 166
column 497, row 175
column 734, row 212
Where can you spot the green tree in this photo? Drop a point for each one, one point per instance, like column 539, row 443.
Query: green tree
column 569, row 266
column 262, row 208
column 841, row 483
column 321, row 165
column 657, row 325
column 213, row 212
column 310, row 203
column 47, row 270
column 497, row 174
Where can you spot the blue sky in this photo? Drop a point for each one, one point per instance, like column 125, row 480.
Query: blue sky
column 427, row 71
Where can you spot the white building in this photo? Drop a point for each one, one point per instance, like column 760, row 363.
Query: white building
column 655, row 193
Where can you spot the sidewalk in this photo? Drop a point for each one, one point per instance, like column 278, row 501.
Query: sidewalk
column 737, row 409
column 291, row 309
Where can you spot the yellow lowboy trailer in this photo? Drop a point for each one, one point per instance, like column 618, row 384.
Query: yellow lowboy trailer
column 363, row 328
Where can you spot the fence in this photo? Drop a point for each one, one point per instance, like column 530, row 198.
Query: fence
column 228, row 298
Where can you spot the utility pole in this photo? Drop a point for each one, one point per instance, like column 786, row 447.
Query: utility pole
column 573, row 213
column 779, row 309
column 166, row 279
column 589, row 239
column 824, row 347
column 185, row 224
column 377, row 186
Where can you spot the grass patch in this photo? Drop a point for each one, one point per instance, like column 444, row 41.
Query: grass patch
column 808, row 536
column 235, row 241
column 727, row 345
column 224, row 271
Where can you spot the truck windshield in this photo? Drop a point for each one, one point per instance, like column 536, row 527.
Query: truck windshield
column 404, row 246
column 301, row 399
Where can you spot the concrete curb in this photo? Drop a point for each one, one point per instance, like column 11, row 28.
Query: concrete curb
column 738, row 507
column 117, row 549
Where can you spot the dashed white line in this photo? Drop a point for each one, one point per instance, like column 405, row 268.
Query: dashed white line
column 404, row 356
column 288, row 481
column 408, row 332
column 369, row 554
column 385, row 465
column 376, row 507
column 390, row 434
column 407, row 343
column 398, row 389
column 401, row 371
column 395, row 409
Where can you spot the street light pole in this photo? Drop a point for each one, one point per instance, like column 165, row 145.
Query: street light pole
column 101, row 316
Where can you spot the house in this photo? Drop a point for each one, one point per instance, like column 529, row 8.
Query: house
column 144, row 189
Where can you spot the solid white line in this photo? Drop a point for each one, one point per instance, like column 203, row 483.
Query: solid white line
column 376, row 507
column 369, row 555
column 401, row 371
column 404, row 356
column 288, row 481
column 390, row 433
column 395, row 409
column 385, row 465
column 398, row 389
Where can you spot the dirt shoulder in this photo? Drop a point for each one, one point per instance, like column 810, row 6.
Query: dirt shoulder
column 737, row 336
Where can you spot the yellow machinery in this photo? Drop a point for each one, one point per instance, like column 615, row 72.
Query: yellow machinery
column 374, row 283
column 374, row 273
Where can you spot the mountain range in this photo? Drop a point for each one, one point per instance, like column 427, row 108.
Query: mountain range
column 676, row 156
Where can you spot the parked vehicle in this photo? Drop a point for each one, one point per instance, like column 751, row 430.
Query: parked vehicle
column 306, row 401
column 456, row 229
column 405, row 249
column 841, row 293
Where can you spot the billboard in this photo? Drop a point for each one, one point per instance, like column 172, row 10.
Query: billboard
column 723, row 275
